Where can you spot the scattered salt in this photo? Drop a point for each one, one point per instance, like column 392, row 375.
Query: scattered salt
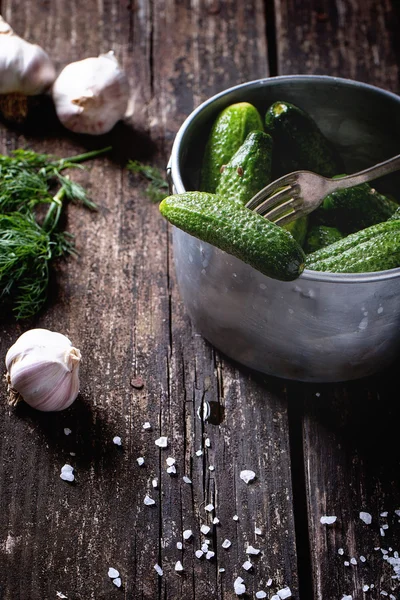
column 274, row 597
column 381, row 531
column 205, row 529
column 73, row 453
column 226, row 543
column 239, row 586
column 61, row 595
column 386, row 526
column 170, row 461
column 347, row 597
column 365, row 588
column 199, row 452
column 148, row 501
column 209, row 507
column 397, row 512
column 362, row 558
column 199, row 553
column 215, row 521
column 353, row 561
column 117, row 440
column 221, row 570
column 235, row 518
column 258, row 531
column 346, row 563
column 187, row 534
column 178, row 566
column 140, row 461
column 113, row 573
column 327, row 520
column 341, row 551
column 284, row 593
column 247, row 565
column 207, row 442
column 67, row 473
column 154, row 483
column 117, row 581
column 67, row 430
column 179, row 545
column 366, row 517
column 269, row 582
column 204, row 548
column 384, row 514
column 171, row 470
column 162, row 442
column 211, row 468
column 383, row 593
column 186, row 479
column 210, row 554
column 261, row 594
column 247, row 475
column 146, row 425
column 252, row 550
column 159, row 570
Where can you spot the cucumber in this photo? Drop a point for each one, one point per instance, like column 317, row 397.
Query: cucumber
column 237, row 230
column 298, row 229
column 375, row 248
column 228, row 133
column 299, row 143
column 396, row 214
column 354, row 208
column 320, row 236
column 249, row 169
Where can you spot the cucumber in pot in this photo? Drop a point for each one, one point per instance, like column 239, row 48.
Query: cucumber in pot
column 354, row 208
column 249, row 169
column 320, row 236
column 228, row 133
column 237, row 230
column 298, row 229
column 375, row 248
column 299, row 143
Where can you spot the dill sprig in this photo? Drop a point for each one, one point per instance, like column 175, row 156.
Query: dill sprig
column 157, row 189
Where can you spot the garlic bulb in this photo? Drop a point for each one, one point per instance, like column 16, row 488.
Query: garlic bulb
column 43, row 369
column 91, row 95
column 25, row 68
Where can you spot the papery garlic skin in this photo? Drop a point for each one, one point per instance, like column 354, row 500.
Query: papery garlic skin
column 43, row 369
column 91, row 95
column 25, row 68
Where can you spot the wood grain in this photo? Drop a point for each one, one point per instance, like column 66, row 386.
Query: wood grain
column 119, row 303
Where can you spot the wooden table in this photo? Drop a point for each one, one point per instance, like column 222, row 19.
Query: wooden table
column 317, row 449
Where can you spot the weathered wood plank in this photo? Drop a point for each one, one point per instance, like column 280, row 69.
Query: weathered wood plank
column 118, row 302
column 350, row 454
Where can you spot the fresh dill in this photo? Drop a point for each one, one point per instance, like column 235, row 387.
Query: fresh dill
column 157, row 189
column 28, row 243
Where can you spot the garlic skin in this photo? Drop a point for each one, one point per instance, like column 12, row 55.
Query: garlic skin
column 91, row 95
column 25, row 68
column 43, row 369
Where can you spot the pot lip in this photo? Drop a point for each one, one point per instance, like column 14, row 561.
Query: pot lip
column 174, row 174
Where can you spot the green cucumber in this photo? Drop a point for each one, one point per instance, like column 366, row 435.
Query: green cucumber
column 228, row 133
column 298, row 229
column 375, row 248
column 232, row 227
column 320, row 236
column 354, row 208
column 299, row 144
column 249, row 169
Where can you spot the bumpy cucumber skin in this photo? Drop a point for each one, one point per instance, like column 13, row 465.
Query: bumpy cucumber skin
column 299, row 144
column 320, row 236
column 298, row 229
column 376, row 248
column 228, row 133
column 233, row 228
column 249, row 169
column 354, row 208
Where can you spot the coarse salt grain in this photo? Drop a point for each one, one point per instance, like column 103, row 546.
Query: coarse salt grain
column 221, row 570
column 140, row 461
column 269, row 582
column 209, row 507
column 187, row 534
column 365, row 588
column 257, row 531
column 239, row 586
column 162, row 442
column 199, row 553
column 67, row 430
column 148, row 501
column 159, row 570
column 274, row 597
column 247, row 565
column 261, row 594
column 235, row 518
column 210, row 554
column 207, row 442
column 386, row 526
column 353, row 561
column 384, row 514
column 346, row 563
column 347, row 597
column 199, row 452
column 341, row 551
column 366, row 517
column 226, row 543
column 186, row 479
column 247, row 475
column 362, row 558
column 215, row 521
column 117, row 440
column 61, row 595
column 117, row 581
column 146, row 425
column 171, row 470
column 381, row 531
column 326, row 520
column 178, row 566
column 204, row 548
column 284, row 593
column 113, row 573
column 170, row 461
column 154, row 483
column 67, row 473
column 179, row 545
column 252, row 550
column 211, row 468
column 205, row 529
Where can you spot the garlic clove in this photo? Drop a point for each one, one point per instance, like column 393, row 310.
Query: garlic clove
column 24, row 67
column 43, row 369
column 91, row 95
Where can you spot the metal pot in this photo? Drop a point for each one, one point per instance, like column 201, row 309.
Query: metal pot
column 322, row 327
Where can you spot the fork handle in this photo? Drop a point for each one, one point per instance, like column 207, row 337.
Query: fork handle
column 383, row 168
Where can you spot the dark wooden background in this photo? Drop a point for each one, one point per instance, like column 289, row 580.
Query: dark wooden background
column 316, row 449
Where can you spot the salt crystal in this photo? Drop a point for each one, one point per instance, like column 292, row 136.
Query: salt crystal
column 221, row 570
column 381, row 531
column 117, row 581
column 383, row 593
column 209, row 507
column 187, row 534
column 67, row 430
column 386, row 526
column 146, row 425
column 215, row 521
column 397, row 512
column 247, row 475
column 117, row 440
column 366, row 517
column 211, row 468
column 61, row 595
column 207, row 442
column 362, row 558
column 261, row 594
column 353, row 561
column 341, row 551
column 384, row 551
column 252, row 550
column 171, row 470
column 199, row 452
column 235, row 518
column 178, row 566
column 239, row 587
column 210, row 554
column 207, row 542
column 179, row 545
column 274, row 597
column 257, row 531
column 247, row 565
column 384, row 514
column 154, row 483
column 269, row 582
column 205, row 529
column 159, row 570
column 347, row 597
column 284, row 593
column 140, row 461
column 226, row 543
column 162, row 442
column 346, row 563
column 148, row 501
column 365, row 588
column 170, row 461
column 199, row 553
column 73, row 453
column 113, row 573
column 327, row 520
column 204, row 547
column 67, row 473
column 186, row 479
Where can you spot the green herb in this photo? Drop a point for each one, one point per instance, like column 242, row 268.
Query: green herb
column 29, row 244
column 157, row 189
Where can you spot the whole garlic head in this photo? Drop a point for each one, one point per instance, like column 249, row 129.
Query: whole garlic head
column 25, row 68
column 91, row 95
column 43, row 369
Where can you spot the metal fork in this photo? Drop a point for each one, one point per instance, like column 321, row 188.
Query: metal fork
column 299, row 193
